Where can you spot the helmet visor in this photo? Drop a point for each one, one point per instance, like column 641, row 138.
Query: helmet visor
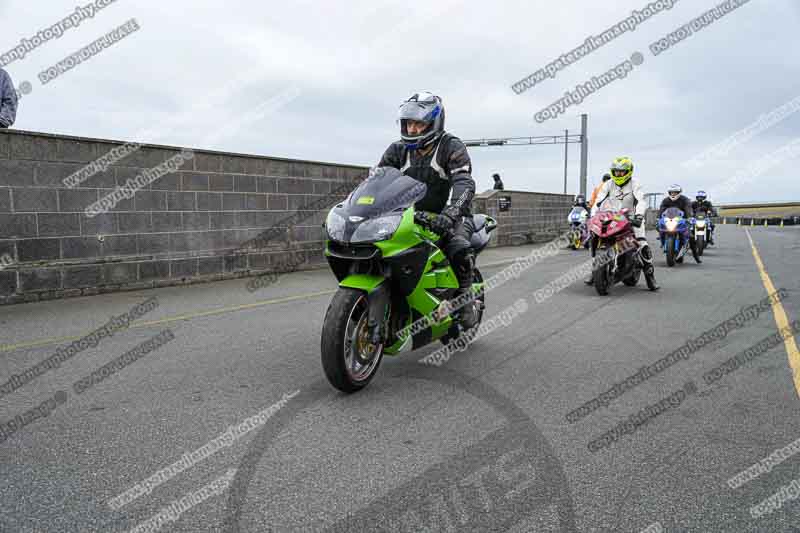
column 420, row 111
column 619, row 172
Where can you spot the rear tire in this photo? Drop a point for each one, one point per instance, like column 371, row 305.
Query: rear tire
column 633, row 279
column 671, row 251
column 344, row 319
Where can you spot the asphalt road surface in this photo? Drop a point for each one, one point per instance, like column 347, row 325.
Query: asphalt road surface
column 481, row 443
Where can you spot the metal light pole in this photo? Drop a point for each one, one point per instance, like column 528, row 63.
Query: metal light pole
column 584, row 152
column 566, row 156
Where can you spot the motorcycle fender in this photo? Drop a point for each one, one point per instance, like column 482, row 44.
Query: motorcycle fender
column 365, row 282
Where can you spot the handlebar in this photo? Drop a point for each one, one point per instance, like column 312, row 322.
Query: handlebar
column 422, row 219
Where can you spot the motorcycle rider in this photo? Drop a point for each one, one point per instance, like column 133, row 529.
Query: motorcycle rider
column 580, row 201
column 429, row 154
column 596, row 190
column 701, row 204
column 676, row 199
column 623, row 191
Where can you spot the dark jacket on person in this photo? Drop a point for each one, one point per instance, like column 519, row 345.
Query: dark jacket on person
column 583, row 205
column 704, row 206
column 498, row 184
column 682, row 203
column 8, row 100
column 445, row 168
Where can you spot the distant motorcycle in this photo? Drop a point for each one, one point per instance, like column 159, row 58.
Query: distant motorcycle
column 676, row 234
column 580, row 231
column 702, row 231
column 615, row 251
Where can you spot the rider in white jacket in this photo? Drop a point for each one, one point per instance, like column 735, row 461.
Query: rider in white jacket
column 623, row 191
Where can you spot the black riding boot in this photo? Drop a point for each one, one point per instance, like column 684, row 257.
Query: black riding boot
column 647, row 266
column 463, row 264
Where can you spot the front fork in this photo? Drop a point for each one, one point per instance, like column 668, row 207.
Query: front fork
column 378, row 301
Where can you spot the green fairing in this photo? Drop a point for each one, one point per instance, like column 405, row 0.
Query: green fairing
column 366, row 282
column 408, row 235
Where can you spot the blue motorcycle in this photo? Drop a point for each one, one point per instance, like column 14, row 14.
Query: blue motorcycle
column 580, row 232
column 676, row 234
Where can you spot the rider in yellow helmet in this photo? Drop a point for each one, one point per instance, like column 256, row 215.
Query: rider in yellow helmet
column 623, row 191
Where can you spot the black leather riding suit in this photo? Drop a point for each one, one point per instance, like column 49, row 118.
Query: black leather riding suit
column 445, row 168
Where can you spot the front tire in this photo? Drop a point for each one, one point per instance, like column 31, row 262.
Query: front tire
column 701, row 245
column 671, row 251
column 347, row 363
column 602, row 279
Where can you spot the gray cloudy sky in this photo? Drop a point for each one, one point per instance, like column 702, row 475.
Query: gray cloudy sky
column 322, row 80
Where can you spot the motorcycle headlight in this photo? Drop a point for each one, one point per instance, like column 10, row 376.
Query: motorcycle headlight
column 701, row 223
column 377, row 229
column 335, row 225
column 671, row 224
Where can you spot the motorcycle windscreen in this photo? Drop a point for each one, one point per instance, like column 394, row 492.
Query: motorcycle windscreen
column 384, row 191
column 576, row 213
column 673, row 212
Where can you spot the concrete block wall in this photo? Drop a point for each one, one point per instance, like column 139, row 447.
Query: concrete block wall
column 534, row 217
column 186, row 226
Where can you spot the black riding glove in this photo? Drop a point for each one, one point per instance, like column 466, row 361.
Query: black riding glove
column 441, row 223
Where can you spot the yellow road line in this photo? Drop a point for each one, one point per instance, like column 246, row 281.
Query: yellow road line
column 167, row 320
column 781, row 319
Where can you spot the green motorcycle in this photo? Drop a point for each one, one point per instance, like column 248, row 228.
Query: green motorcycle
column 392, row 276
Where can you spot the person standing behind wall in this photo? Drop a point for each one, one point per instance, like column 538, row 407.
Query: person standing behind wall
column 8, row 100
column 498, row 184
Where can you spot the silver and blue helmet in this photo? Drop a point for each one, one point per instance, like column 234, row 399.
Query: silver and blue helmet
column 423, row 106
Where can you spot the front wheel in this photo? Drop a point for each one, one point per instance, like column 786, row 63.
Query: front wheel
column 701, row 245
column 693, row 249
column 602, row 278
column 348, row 359
column 671, row 251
